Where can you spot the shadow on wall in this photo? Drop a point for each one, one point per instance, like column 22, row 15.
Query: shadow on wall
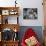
column 37, row 29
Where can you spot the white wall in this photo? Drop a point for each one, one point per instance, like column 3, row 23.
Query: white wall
column 32, row 4
column 27, row 4
column 7, row 3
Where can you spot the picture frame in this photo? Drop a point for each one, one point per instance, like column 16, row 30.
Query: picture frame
column 5, row 20
column 30, row 13
column 13, row 12
column 5, row 12
column 9, row 34
column 10, row 20
column 6, row 34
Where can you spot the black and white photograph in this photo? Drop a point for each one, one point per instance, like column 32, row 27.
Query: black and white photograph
column 30, row 13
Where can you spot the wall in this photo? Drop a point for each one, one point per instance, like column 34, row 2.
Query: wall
column 27, row 4
column 7, row 3
column 32, row 4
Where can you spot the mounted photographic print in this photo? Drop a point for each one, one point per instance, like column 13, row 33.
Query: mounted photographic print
column 5, row 12
column 30, row 13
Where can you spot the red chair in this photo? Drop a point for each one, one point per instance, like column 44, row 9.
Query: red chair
column 29, row 33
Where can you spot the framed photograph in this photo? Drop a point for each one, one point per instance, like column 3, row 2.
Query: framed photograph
column 5, row 12
column 6, row 34
column 9, row 20
column 12, row 12
column 30, row 13
column 12, row 20
column 5, row 20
